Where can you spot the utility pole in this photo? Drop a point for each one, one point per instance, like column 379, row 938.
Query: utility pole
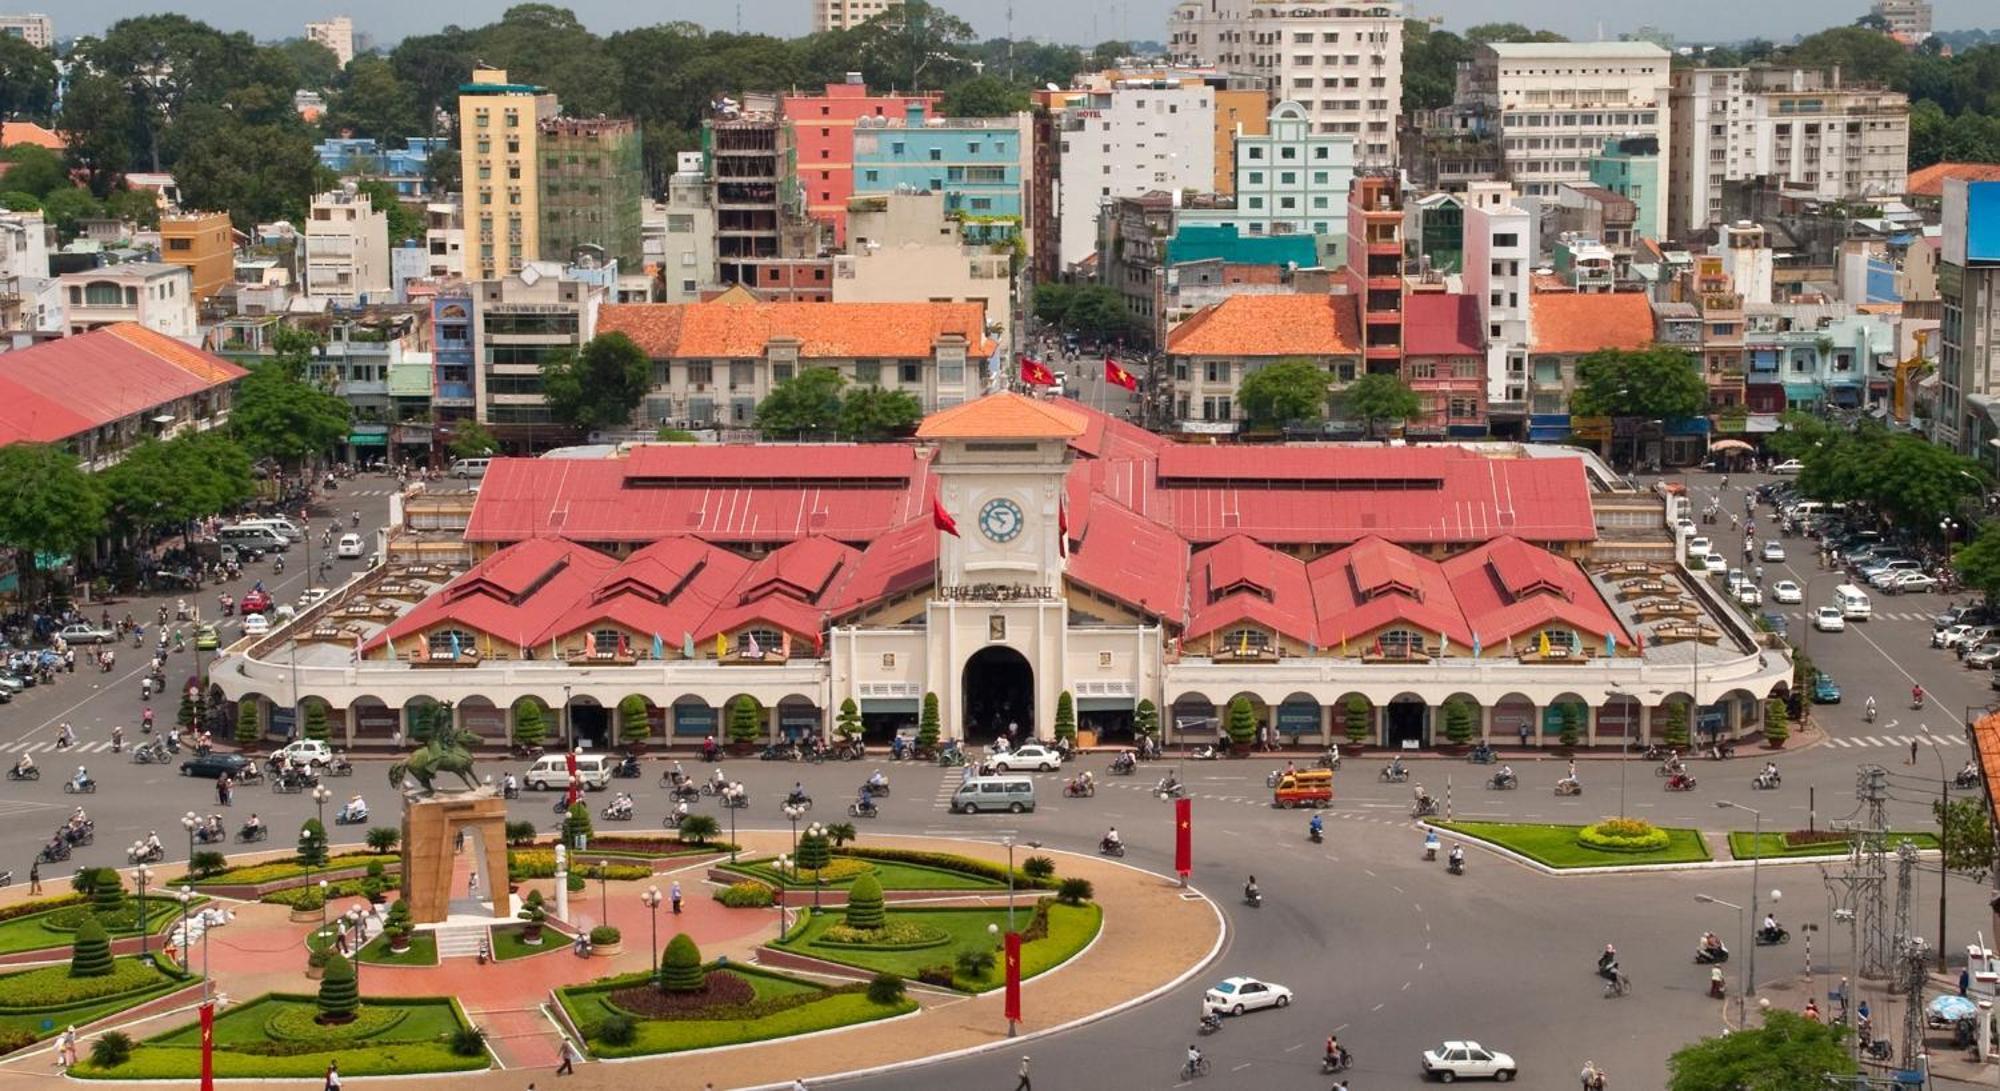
column 1878, row 953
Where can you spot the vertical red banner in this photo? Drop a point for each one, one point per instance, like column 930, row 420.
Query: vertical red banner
column 1184, row 836
column 1013, row 977
column 208, row 1047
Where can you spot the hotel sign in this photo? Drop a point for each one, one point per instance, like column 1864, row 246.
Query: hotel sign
column 995, row 592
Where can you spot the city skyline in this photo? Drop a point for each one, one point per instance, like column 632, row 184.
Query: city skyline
column 385, row 22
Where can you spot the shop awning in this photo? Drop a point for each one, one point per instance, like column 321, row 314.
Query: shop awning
column 1803, row 392
column 368, row 439
column 1105, row 704
column 889, row 706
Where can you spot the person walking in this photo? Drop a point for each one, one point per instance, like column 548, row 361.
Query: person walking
column 66, row 1047
column 332, row 1076
column 568, row 1055
column 1913, row 752
column 674, row 892
column 35, row 877
column 1024, row 1084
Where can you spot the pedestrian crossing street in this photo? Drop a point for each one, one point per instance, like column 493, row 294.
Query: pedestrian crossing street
column 1893, row 740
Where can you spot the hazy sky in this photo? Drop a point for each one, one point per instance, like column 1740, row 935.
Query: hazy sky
column 1068, row 20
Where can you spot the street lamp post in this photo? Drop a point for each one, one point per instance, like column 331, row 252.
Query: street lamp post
column 651, row 898
column 190, row 820
column 1009, row 842
column 569, row 743
column 1944, row 841
column 187, row 957
column 320, row 794
column 322, row 908
column 142, row 876
column 1756, row 854
column 604, row 887
column 819, row 873
column 1742, row 986
column 793, row 812
column 778, row 895
column 350, row 921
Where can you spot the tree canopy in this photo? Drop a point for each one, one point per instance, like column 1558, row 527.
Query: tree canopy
column 1378, row 398
column 165, row 484
column 1663, row 383
column 1905, row 478
column 1787, row 1053
column 871, row 412
column 1089, row 310
column 599, row 385
column 27, row 80
column 278, row 413
column 806, row 404
column 983, row 96
column 1285, row 392
column 1978, row 561
column 48, row 504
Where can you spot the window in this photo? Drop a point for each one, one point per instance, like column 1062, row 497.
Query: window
column 700, row 371
column 759, row 643
column 1506, row 238
column 450, row 643
column 868, row 372
column 909, row 372
column 1245, row 642
column 1216, row 371
column 1400, row 644
column 937, row 155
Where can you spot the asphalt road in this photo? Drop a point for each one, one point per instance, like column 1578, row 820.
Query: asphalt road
column 1382, row 948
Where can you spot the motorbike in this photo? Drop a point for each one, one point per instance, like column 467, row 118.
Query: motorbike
column 627, row 769
column 1328, row 761
column 55, row 852
column 338, row 767
column 1108, row 847
column 800, row 800
column 1078, row 788
column 1766, row 781
column 250, row 834
column 209, row 835
column 149, row 754
column 1722, row 751
column 524, row 751
column 1169, row 788
column 1711, row 956
column 345, row 817
column 1666, row 769
column 146, row 854
column 1568, row 788
column 1253, row 897
column 614, row 812
column 673, row 820
column 874, row 789
column 1122, row 767
column 33, row 772
column 685, row 791
column 80, row 835
column 1878, row 1049
column 1966, row 780
column 71, row 787
column 1424, row 807
column 1504, row 782
column 1482, row 755
column 952, row 757
column 1337, row 1062
column 1204, row 752
column 1392, row 774
column 1681, row 782
column 737, row 800
column 1315, row 834
column 1211, row 1021
column 783, row 751
column 1772, row 937
column 860, row 809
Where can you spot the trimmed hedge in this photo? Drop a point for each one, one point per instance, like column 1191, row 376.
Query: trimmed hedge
column 746, row 895
column 894, row 935
column 308, row 897
column 275, row 870
column 1624, row 835
column 680, row 967
column 39, row 905
column 945, row 861
column 300, row 1024
column 34, row 991
column 541, row 864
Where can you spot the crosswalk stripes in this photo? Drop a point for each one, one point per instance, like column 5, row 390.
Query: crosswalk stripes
column 1894, row 740
column 1880, row 615
column 40, row 747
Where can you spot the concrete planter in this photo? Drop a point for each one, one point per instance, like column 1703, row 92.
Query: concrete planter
column 607, row 950
column 305, row 916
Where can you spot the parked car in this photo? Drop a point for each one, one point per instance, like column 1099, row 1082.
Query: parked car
column 1911, row 581
column 1468, row 1060
column 1237, row 995
column 11, row 684
column 1787, row 591
column 1974, row 637
column 1699, row 547
column 1774, row 551
column 255, row 601
column 82, row 632
column 1031, row 756
column 350, row 546
column 1775, row 622
column 1788, row 466
column 1714, row 565
column 256, row 625
column 306, row 750
column 214, row 765
column 1827, row 619
column 1825, row 691
column 1749, row 595
column 1983, row 657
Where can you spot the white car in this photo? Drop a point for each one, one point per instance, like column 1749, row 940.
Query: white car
column 1911, row 581
column 83, row 632
column 1468, row 1059
column 312, row 595
column 1788, row 466
column 350, row 546
column 1774, row 552
column 306, row 750
column 1714, row 564
column 1699, row 547
column 1031, row 756
column 1748, row 595
column 1787, row 591
column 1827, row 619
column 256, row 625
column 1237, row 995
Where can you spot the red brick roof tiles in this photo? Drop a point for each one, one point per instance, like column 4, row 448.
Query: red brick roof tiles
column 741, row 329
column 1573, row 323
column 1929, row 181
column 1271, row 325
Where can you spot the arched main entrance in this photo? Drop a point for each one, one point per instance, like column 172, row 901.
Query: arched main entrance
column 999, row 689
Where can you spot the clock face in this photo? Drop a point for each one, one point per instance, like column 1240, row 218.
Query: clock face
column 1001, row 520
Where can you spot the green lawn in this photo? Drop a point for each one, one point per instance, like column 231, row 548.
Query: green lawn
column 587, row 1006
column 31, row 1022
column 507, row 941
column 251, row 874
column 892, row 874
column 29, row 933
column 1772, row 845
column 1557, row 847
column 416, row 1043
column 423, row 951
column 1071, row 928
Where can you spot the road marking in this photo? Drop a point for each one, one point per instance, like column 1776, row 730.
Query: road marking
column 1378, row 1007
column 1299, row 1046
column 1241, row 1067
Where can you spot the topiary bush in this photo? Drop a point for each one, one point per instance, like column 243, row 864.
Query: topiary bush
column 1065, row 716
column 1075, row 891
column 91, row 956
column 1146, row 719
column 103, row 887
column 616, row 1030
column 928, row 723
column 814, row 851
column 1623, row 835
column 312, row 843
column 1239, row 720
column 680, row 966
column 885, row 989
column 1038, row 867
column 1458, row 722
column 576, row 825
column 746, row 895
column 112, row 1048
column 1777, row 722
column 1355, row 715
column 604, row 935
column 338, row 993
column 248, row 730
column 864, row 903
column 529, row 727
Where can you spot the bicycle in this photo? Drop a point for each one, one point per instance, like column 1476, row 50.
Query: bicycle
column 1618, row 985
column 1191, row 1069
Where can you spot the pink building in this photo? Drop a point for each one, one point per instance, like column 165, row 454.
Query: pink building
column 822, row 140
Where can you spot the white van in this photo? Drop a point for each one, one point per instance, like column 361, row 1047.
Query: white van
column 255, row 537
column 284, row 527
column 552, row 771
column 1013, row 794
column 470, row 467
column 1852, row 602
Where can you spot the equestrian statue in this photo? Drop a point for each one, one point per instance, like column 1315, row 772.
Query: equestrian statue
column 448, row 751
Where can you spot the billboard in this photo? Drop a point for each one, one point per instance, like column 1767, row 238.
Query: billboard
column 1971, row 222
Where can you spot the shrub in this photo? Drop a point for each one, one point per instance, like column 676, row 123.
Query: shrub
column 1802, row 838
column 468, row 1042
column 937, row 974
column 1355, row 715
column 338, row 993
column 1675, row 734
column 206, row 863
column 864, row 903
column 309, row 897
column 974, row 962
column 841, row 833
column 1239, row 720
column 533, row 909
column 1146, row 719
column 105, row 889
column 946, row 861
column 575, row 882
column 297, row 1023
column 248, row 731
column 746, row 895
column 885, row 989
column 847, row 723
column 312, row 843
column 521, row 833
column 814, row 852
column 1075, row 891
column 1777, row 725
column 616, row 1030
column 633, row 724
column 383, row 839
column 112, row 1048
column 1038, row 867
column 1623, row 835
column 894, row 933
column 529, row 727
column 928, row 723
column 698, row 828
column 604, row 935
column 91, row 955
column 680, row 966
column 746, row 720
column 397, row 924
column 576, row 825
column 35, row 992
column 1458, row 727
column 316, row 727
column 1065, row 716
column 835, row 871
column 1569, row 720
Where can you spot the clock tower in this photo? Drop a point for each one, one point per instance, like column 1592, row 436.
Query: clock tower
column 997, row 616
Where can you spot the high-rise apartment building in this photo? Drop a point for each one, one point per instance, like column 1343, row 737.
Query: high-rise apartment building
column 347, row 248
column 36, row 29
column 1968, row 414
column 847, row 14
column 499, row 134
column 1375, row 268
column 1552, row 105
column 1804, row 127
column 1911, row 18
column 1342, row 61
column 336, row 34
column 821, row 129
column 591, row 183
column 1499, row 272
column 1138, row 136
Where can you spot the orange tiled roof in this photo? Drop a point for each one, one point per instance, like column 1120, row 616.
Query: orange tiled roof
column 1929, row 181
column 1271, row 325
column 27, row 132
column 1985, row 734
column 209, row 369
column 1567, row 323
column 824, row 330
column 1004, row 416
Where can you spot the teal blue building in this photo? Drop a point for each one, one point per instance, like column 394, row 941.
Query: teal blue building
column 1630, row 167
column 980, row 164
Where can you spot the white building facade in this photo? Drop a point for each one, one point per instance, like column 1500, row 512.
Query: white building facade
column 1499, row 271
column 1555, row 104
column 1139, row 136
column 154, row 294
column 336, row 34
column 1293, row 180
column 347, row 248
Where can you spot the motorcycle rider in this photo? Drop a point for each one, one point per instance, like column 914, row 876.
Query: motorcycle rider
column 1396, row 767
column 1607, row 963
column 82, row 779
column 876, row 782
column 1869, row 710
column 1111, row 840
column 1193, row 1058
column 1250, row 892
column 153, row 846
column 117, row 738
column 1422, row 800
column 1316, row 827
column 1916, row 696
column 1505, row 775
column 1770, row 773
column 253, row 824
column 509, row 787
column 719, row 780
column 1711, row 946
column 1970, row 773
column 798, row 793
column 25, row 766
column 354, row 808
column 864, row 800
column 1770, row 929
column 680, row 812
column 1336, row 1056
column 1456, row 861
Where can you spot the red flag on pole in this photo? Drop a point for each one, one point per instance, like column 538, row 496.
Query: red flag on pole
column 1062, row 529
column 942, row 519
column 1013, row 977
column 1118, row 376
column 1184, row 836
column 1036, row 373
column 208, row 1046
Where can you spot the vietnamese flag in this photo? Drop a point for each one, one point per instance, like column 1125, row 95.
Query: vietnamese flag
column 942, row 519
column 1184, row 836
column 1062, row 529
column 208, row 1047
column 1036, row 373
column 1118, row 376
column 1013, row 1013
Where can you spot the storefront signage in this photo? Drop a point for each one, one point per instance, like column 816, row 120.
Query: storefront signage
column 995, row 592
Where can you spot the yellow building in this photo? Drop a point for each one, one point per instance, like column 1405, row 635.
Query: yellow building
column 1251, row 110
column 201, row 243
column 498, row 160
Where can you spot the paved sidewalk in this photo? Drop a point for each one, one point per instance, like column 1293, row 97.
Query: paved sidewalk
column 1152, row 935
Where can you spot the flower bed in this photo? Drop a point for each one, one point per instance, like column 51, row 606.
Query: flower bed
column 746, row 895
column 1069, row 929
column 51, row 987
column 898, row 933
column 892, row 874
column 541, row 864
column 245, row 1048
column 35, row 932
column 784, row 1007
column 308, row 896
column 945, row 861
column 1624, row 835
column 633, row 844
column 298, row 1023
column 507, row 941
column 1744, row 845
column 277, row 870
column 1557, row 846
column 725, row 996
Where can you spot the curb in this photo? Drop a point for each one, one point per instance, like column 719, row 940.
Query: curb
column 1639, row 869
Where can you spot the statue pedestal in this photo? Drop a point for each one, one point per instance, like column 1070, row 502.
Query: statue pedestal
column 431, row 824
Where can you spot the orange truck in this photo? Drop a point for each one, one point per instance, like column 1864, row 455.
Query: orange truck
column 1304, row 788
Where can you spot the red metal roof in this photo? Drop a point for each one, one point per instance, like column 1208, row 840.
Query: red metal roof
column 1271, row 465
column 1509, row 589
column 1440, row 324
column 1129, row 558
column 885, row 462
column 1237, row 581
column 897, row 561
column 509, row 595
column 58, row 389
column 1373, row 584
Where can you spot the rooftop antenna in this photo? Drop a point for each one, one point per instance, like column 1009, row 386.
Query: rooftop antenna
column 1010, row 40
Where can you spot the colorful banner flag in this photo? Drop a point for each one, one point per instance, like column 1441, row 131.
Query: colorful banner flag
column 721, row 646
column 1542, row 648
column 1062, row 528
column 687, row 645
column 1610, row 643
column 208, row 1046
column 1475, row 645
column 1013, row 1013
column 942, row 519
column 391, row 644
column 1036, row 373
column 1118, row 376
column 454, row 644
column 659, row 647
column 755, row 651
column 1184, row 836
column 819, row 645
